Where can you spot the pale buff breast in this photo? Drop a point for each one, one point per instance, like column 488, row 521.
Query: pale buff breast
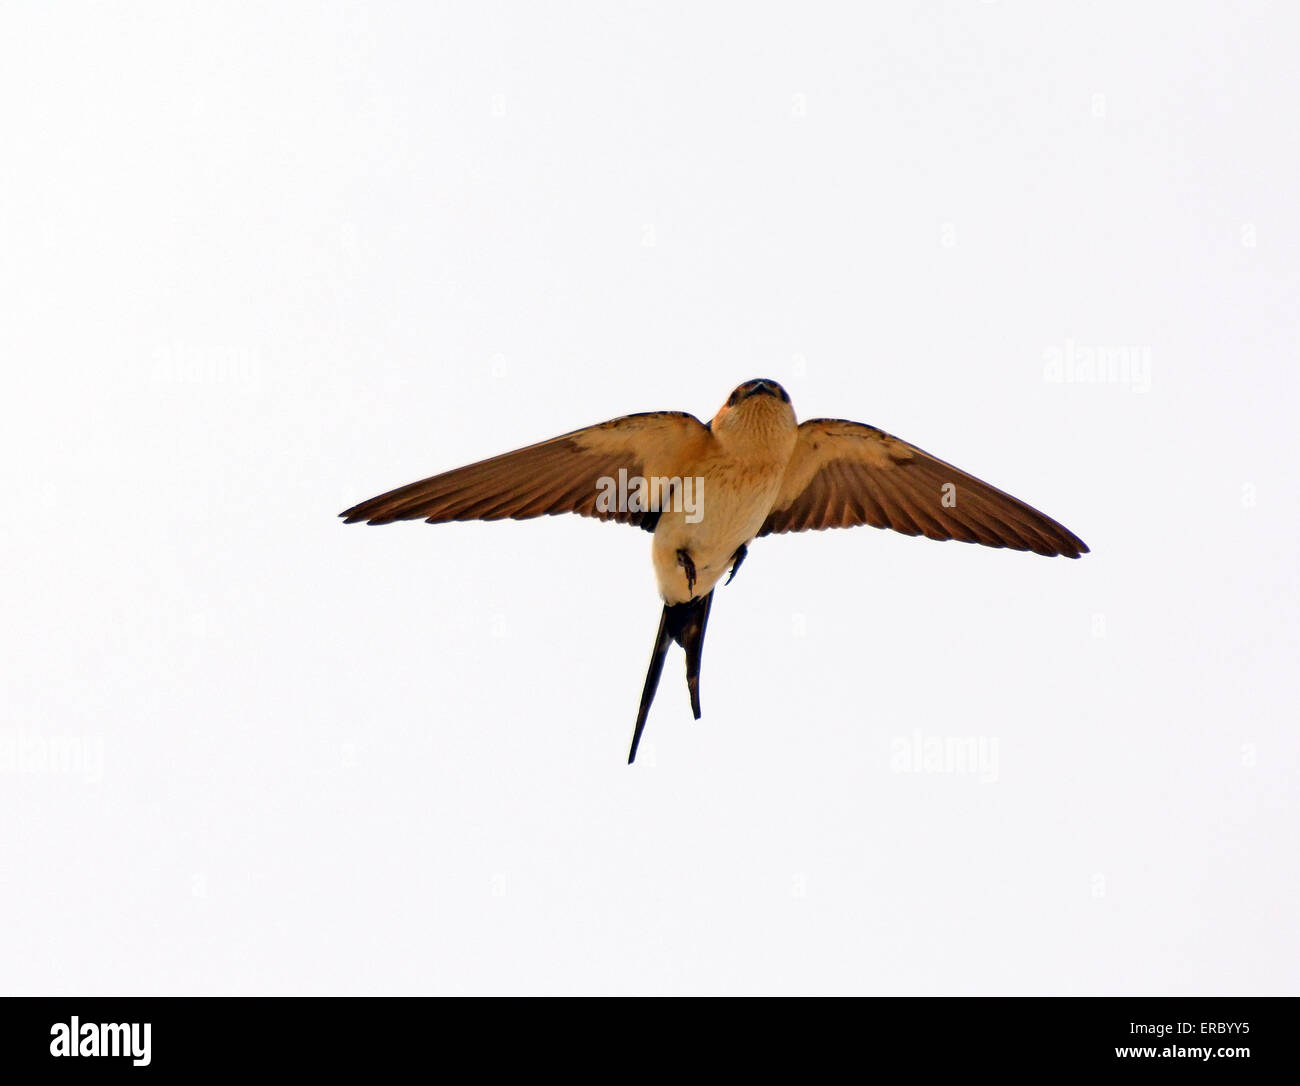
column 732, row 503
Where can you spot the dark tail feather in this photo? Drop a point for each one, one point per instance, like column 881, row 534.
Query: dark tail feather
column 651, row 682
column 683, row 623
column 691, row 638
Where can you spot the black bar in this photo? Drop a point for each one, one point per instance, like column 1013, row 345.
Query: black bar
column 381, row 1036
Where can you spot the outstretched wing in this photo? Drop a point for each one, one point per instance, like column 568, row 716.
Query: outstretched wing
column 557, row 476
column 844, row 474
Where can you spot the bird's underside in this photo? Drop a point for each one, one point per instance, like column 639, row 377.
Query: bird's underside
column 757, row 472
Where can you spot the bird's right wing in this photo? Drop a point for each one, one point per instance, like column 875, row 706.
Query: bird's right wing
column 562, row 475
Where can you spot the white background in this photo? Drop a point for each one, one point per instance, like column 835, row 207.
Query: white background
column 259, row 263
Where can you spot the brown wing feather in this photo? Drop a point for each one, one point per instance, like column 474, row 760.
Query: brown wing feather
column 555, row 476
column 844, row 474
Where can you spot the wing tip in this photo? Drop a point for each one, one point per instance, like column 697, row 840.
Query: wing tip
column 365, row 513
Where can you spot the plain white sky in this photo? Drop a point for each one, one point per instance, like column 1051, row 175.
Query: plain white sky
column 259, row 263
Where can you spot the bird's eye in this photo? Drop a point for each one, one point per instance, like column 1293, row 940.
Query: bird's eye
column 735, row 398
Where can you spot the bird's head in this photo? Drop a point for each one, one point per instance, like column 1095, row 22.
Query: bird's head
column 758, row 404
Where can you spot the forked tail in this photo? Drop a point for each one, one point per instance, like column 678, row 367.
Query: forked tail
column 685, row 624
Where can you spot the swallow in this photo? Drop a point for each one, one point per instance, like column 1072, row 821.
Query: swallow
column 706, row 491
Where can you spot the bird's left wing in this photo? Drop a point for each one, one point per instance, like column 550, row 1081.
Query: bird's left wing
column 562, row 475
column 844, row 473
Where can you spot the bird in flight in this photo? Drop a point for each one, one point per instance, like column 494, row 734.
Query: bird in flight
column 707, row 490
